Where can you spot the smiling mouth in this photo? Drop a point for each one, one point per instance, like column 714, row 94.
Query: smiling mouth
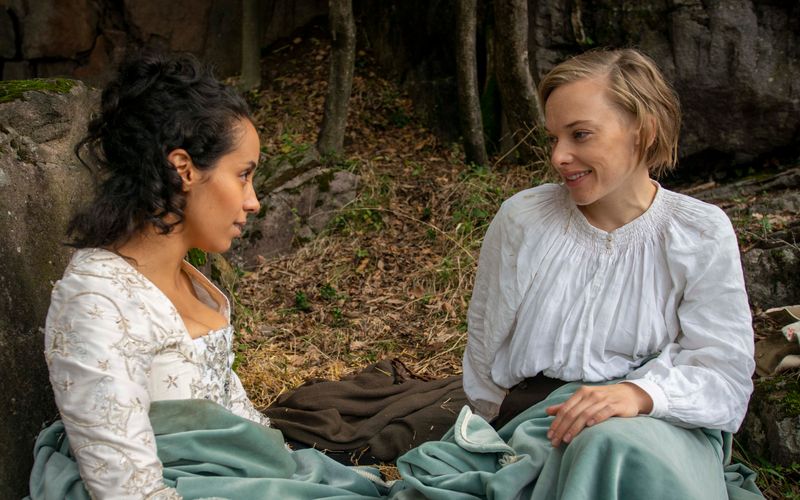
column 575, row 177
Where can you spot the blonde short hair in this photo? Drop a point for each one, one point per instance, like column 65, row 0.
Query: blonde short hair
column 636, row 86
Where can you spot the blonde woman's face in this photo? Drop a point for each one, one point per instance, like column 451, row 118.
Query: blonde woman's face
column 594, row 145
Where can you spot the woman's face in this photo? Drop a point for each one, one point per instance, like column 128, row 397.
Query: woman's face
column 219, row 201
column 594, row 145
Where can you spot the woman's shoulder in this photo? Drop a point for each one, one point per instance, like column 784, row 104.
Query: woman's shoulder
column 98, row 271
column 699, row 215
column 697, row 228
column 534, row 204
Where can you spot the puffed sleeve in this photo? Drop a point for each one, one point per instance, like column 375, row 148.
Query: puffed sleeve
column 99, row 349
column 703, row 378
column 491, row 314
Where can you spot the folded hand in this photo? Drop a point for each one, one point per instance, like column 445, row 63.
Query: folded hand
column 591, row 405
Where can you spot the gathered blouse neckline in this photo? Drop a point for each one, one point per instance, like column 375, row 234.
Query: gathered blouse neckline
column 639, row 230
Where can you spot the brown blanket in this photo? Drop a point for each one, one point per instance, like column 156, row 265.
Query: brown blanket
column 372, row 416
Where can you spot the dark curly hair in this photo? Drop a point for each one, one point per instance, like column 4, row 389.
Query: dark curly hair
column 157, row 103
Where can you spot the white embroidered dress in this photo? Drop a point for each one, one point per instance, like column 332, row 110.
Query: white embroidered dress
column 553, row 294
column 113, row 344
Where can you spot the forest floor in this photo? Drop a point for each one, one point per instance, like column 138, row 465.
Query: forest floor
column 391, row 276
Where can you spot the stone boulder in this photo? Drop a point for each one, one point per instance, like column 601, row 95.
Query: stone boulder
column 8, row 47
column 56, row 28
column 771, row 429
column 302, row 197
column 40, row 184
column 772, row 265
column 771, row 276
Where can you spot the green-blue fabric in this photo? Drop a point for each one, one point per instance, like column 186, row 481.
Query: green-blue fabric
column 622, row 458
column 209, row 452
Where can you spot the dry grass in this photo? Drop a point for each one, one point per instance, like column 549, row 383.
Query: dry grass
column 392, row 274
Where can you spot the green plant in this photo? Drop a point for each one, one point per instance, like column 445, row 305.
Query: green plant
column 766, row 226
column 338, row 317
column 301, row 302
column 774, row 481
column 358, row 219
column 197, row 257
column 327, row 292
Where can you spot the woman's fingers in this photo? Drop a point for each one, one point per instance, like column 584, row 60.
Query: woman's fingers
column 571, row 417
column 591, row 405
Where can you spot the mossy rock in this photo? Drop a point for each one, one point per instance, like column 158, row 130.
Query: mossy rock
column 771, row 428
column 783, row 391
column 11, row 90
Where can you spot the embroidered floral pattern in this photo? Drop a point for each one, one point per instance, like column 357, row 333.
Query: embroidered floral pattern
column 113, row 345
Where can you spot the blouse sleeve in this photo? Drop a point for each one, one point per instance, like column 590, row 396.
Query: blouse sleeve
column 491, row 314
column 241, row 404
column 99, row 351
column 703, row 379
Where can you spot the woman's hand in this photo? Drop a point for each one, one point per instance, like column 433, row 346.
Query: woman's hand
column 591, row 405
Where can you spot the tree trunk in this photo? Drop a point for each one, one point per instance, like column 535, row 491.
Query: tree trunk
column 517, row 91
column 340, row 80
column 251, row 47
column 466, row 70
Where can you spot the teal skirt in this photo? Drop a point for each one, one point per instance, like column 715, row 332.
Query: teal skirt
column 209, row 452
column 621, row 458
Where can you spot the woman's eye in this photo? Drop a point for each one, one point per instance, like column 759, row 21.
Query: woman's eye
column 551, row 140
column 580, row 134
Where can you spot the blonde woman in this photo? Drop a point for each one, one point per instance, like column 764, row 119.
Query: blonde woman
column 624, row 296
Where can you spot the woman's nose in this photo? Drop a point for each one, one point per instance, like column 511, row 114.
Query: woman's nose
column 559, row 154
column 251, row 203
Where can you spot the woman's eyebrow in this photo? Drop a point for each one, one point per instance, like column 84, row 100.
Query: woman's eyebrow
column 576, row 122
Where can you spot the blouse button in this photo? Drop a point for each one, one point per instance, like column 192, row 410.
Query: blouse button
column 608, row 241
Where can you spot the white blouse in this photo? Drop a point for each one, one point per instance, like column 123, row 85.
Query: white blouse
column 113, row 344
column 660, row 301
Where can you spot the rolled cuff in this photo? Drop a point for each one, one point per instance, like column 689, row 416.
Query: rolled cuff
column 660, row 403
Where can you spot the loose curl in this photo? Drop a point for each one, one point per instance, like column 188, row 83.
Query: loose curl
column 156, row 104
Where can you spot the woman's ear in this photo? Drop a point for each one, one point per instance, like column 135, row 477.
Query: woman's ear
column 182, row 163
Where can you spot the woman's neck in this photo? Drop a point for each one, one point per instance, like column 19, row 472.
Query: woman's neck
column 158, row 257
column 613, row 212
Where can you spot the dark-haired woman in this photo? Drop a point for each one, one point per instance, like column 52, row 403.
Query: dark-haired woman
column 135, row 336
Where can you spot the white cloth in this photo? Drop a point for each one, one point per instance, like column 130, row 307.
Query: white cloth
column 553, row 294
column 113, row 344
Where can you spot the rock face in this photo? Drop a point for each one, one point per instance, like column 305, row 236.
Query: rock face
column 772, row 266
column 40, row 184
column 87, row 38
column 301, row 199
column 772, row 427
column 771, row 276
column 55, row 28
